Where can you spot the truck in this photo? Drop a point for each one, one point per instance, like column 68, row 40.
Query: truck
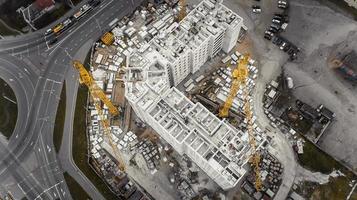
column 83, row 10
column 67, row 23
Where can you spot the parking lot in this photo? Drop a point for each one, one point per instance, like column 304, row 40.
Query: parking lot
column 321, row 31
column 316, row 30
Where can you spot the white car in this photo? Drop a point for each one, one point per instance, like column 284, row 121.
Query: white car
column 282, row 4
column 48, row 31
column 276, row 21
column 283, row 45
column 257, row 10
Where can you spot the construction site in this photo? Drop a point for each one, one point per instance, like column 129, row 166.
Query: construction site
column 163, row 126
column 173, row 108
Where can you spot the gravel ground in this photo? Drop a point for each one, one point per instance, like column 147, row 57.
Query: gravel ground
column 318, row 31
column 321, row 33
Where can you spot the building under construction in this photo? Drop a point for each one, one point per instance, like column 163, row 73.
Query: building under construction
column 220, row 150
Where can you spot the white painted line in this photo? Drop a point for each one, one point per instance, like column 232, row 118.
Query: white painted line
column 90, row 18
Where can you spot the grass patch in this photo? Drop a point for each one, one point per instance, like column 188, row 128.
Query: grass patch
column 60, row 118
column 9, row 15
column 8, row 109
column 75, row 2
column 316, row 160
column 336, row 189
column 77, row 192
column 4, row 30
column 80, row 144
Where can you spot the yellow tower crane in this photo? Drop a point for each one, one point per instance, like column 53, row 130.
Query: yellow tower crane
column 240, row 73
column 98, row 95
column 239, row 77
column 182, row 13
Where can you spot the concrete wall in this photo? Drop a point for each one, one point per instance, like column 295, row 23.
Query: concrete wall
column 231, row 36
column 352, row 3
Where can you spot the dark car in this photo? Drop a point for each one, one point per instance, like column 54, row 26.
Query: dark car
column 277, row 41
column 275, row 26
column 94, row 3
column 273, row 30
column 52, row 41
column 287, row 47
column 267, row 32
column 291, row 51
column 268, row 37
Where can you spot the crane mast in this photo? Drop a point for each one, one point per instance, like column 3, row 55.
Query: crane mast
column 240, row 73
column 239, row 77
column 98, row 95
column 87, row 79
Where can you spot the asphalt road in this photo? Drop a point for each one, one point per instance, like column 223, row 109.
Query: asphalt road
column 37, row 85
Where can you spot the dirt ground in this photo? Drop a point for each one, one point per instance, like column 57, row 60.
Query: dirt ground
column 322, row 32
column 318, row 31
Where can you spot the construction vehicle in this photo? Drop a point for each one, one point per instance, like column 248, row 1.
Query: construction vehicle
column 337, row 63
column 107, row 38
column 99, row 96
column 182, row 13
column 239, row 77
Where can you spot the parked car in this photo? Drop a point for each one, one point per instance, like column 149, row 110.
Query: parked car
column 282, row 4
column 268, row 35
column 256, row 9
column 48, row 31
column 275, row 26
column 273, row 30
column 277, row 41
column 276, row 21
column 282, row 46
column 52, row 41
column 287, row 47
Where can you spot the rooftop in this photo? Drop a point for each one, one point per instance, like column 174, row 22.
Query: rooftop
column 213, row 144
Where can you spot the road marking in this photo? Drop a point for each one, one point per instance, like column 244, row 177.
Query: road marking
column 46, row 190
column 100, row 28
column 23, row 191
column 85, row 22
